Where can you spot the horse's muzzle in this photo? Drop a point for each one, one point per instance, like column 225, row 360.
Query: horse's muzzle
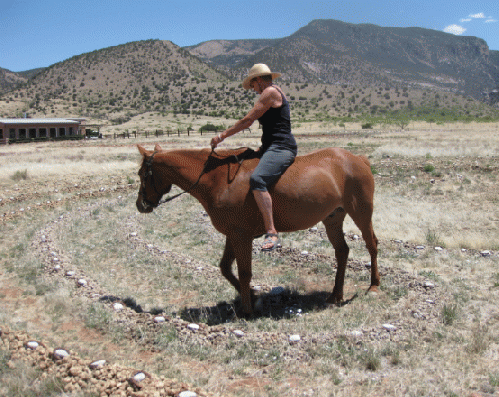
column 143, row 207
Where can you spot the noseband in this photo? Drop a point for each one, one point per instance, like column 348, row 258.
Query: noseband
column 149, row 175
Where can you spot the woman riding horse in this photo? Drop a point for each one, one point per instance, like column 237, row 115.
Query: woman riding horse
column 278, row 149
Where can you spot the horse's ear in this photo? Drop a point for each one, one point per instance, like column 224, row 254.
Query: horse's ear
column 157, row 148
column 142, row 150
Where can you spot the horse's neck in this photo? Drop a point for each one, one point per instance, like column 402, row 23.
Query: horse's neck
column 183, row 167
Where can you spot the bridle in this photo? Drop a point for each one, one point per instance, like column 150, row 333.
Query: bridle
column 149, row 174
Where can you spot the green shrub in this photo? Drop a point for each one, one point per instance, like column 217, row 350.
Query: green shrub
column 428, row 168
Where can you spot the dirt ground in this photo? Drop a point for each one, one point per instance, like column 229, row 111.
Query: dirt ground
column 74, row 248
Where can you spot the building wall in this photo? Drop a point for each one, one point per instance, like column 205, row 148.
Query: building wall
column 19, row 130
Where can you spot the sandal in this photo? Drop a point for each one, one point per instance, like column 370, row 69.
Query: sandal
column 268, row 240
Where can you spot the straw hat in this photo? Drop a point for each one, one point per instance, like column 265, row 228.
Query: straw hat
column 258, row 69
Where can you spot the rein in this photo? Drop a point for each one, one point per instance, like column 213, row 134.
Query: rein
column 148, row 163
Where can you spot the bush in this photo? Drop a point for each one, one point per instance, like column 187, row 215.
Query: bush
column 428, row 168
column 367, row 126
column 18, row 175
column 212, row 127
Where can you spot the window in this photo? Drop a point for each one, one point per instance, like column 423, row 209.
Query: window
column 12, row 133
column 62, row 131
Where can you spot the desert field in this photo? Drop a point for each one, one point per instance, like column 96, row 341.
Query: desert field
column 81, row 270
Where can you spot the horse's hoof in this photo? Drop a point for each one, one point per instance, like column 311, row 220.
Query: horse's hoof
column 374, row 289
column 334, row 299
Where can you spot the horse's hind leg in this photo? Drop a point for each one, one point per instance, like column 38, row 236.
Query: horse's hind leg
column 363, row 219
column 334, row 230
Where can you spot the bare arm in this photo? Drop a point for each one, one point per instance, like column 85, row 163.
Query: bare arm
column 267, row 99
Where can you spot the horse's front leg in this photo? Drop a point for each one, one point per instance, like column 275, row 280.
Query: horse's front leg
column 226, row 265
column 242, row 246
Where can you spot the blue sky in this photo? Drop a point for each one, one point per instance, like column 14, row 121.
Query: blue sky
column 38, row 33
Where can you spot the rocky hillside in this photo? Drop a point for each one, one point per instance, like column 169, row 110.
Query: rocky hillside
column 9, row 80
column 334, row 52
column 129, row 78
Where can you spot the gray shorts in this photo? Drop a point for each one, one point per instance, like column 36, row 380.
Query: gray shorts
column 272, row 165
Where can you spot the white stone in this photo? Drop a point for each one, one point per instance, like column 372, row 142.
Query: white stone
column 294, row 338
column 356, row 334
column 420, row 247
column 430, row 302
column 159, row 319
column 70, row 273
column 439, row 249
column 82, row 282
column 313, row 229
column 485, row 253
column 133, row 234
column 389, row 327
column 238, row 333
column 139, row 376
column 355, row 237
column 97, row 364
column 57, row 268
column 427, row 284
column 304, row 253
column 32, row 345
column 60, row 353
column 193, row 327
column 118, row 306
column 187, row 393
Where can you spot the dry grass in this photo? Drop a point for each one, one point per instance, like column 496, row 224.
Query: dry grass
column 446, row 339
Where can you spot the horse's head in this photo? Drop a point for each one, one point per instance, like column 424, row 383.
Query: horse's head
column 152, row 185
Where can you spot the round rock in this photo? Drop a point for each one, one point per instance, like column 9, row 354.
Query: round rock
column 389, row 327
column 82, row 282
column 139, row 377
column 159, row 319
column 32, row 345
column 238, row 333
column 97, row 364
column 294, row 338
column 193, row 327
column 59, row 354
column 187, row 393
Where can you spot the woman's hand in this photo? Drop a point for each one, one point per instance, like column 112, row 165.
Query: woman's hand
column 216, row 140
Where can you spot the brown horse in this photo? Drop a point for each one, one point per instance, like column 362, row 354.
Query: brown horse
column 324, row 185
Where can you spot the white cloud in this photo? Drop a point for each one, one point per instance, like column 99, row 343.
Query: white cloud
column 490, row 20
column 479, row 15
column 455, row 29
column 465, row 20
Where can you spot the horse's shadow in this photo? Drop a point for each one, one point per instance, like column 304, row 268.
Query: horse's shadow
column 278, row 306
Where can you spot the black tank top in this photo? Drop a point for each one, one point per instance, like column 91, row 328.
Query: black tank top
column 276, row 126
